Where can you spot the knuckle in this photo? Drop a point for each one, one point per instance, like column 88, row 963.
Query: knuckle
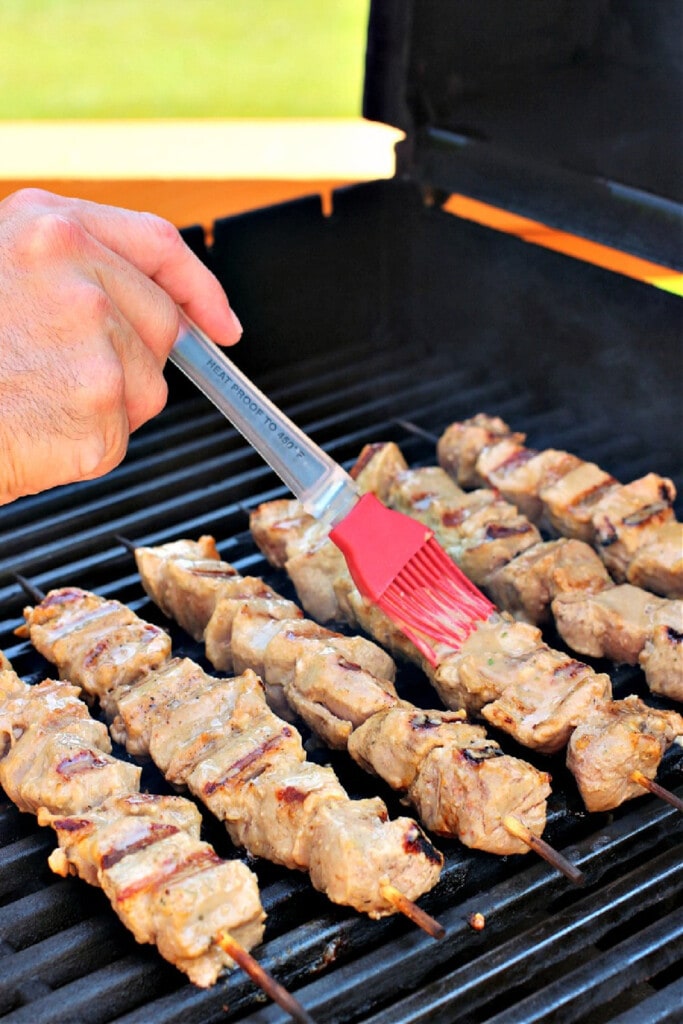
column 166, row 232
column 50, row 233
column 92, row 303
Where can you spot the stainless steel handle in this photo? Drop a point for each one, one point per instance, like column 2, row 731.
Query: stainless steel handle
column 324, row 488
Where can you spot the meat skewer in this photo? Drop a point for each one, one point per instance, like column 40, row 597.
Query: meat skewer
column 449, row 769
column 632, row 526
column 502, row 671
column 143, row 850
column 592, row 614
column 219, row 738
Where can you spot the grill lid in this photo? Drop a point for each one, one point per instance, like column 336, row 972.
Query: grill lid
column 565, row 113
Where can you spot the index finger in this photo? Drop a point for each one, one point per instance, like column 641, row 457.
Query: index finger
column 156, row 248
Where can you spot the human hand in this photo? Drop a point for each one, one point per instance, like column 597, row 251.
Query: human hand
column 88, row 315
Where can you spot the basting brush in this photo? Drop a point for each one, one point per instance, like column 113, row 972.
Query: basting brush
column 395, row 562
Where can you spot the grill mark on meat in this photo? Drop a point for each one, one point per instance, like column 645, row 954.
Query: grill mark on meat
column 291, row 795
column 476, row 756
column 365, row 457
column 643, row 515
column 156, row 833
column 423, row 500
column 199, row 859
column 674, row 635
column 94, row 653
column 606, row 535
column 415, row 842
column 83, row 761
column 145, row 635
column 454, row 517
column 215, row 573
column 424, row 722
column 497, row 531
column 240, row 766
column 72, row 824
column 348, row 666
column 515, row 460
column 594, row 495
column 569, row 669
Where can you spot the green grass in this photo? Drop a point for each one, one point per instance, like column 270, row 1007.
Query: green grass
column 181, row 58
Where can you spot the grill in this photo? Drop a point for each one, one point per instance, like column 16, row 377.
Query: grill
column 389, row 309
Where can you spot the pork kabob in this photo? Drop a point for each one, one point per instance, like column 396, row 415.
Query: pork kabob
column 459, row 780
column 167, row 886
column 633, row 526
column 502, row 671
column 593, row 615
column 219, row 738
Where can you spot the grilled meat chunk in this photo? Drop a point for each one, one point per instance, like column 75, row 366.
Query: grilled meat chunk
column 359, row 850
column 520, row 474
column 614, row 740
column 528, row 584
column 101, row 835
column 478, row 531
column 377, row 467
column 630, row 517
column 334, row 696
column 461, row 444
column 52, row 753
column 516, row 682
column 219, row 629
column 100, row 645
column 571, row 501
column 658, row 564
column 150, row 563
column 614, row 623
column 662, row 655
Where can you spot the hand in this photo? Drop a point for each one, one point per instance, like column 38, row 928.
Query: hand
column 88, row 316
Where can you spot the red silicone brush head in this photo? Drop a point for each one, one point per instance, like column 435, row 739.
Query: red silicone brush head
column 397, row 564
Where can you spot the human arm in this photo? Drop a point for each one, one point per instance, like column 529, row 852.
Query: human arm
column 88, row 315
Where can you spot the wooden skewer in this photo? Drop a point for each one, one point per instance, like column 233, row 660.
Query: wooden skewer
column 33, row 592
column 128, row 544
column 411, row 910
column 413, row 428
column 660, row 791
column 277, row 992
column 543, row 849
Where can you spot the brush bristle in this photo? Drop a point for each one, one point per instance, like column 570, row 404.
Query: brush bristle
column 432, row 602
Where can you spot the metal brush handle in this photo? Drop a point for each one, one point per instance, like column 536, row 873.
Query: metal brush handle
column 324, row 488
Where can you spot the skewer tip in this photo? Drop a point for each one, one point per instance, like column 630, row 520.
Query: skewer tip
column 543, row 849
column 411, row 910
column 127, row 544
column 29, row 589
column 277, row 992
column 654, row 788
column 413, row 428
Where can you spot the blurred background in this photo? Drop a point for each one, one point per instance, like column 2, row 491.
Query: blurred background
column 244, row 102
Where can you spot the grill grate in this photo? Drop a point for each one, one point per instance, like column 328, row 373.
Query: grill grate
column 548, row 952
